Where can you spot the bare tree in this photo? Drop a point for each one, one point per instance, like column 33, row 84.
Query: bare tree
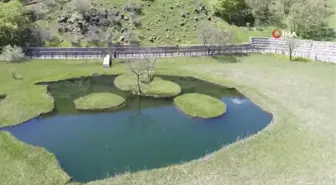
column 143, row 68
column 290, row 45
column 108, row 37
column 149, row 61
column 213, row 38
column 131, row 37
column 41, row 35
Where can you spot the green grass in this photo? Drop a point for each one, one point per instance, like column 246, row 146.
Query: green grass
column 298, row 147
column 200, row 106
column 24, row 164
column 125, row 82
column 157, row 88
column 332, row 18
column 99, row 101
column 160, row 21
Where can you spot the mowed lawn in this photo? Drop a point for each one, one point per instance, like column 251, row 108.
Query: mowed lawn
column 297, row 148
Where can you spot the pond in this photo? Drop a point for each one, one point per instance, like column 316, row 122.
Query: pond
column 147, row 133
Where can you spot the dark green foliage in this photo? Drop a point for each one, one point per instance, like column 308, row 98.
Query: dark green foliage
column 55, row 41
column 14, row 23
column 234, row 12
column 309, row 20
column 301, row 59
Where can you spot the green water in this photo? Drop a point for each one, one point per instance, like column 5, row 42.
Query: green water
column 147, row 133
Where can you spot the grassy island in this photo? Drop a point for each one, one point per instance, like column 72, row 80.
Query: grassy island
column 200, row 106
column 99, row 101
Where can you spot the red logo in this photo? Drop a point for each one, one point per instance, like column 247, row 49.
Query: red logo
column 276, row 33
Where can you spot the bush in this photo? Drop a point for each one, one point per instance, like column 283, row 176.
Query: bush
column 301, row 59
column 82, row 6
column 39, row 11
column 131, row 38
column 11, row 54
column 41, row 35
column 54, row 42
column 133, row 7
column 234, row 12
column 135, row 20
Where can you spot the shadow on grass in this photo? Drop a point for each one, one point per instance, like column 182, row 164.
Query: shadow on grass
column 233, row 58
column 2, row 96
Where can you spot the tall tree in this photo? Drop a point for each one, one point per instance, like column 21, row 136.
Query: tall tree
column 14, row 21
column 234, row 12
column 309, row 18
column 266, row 12
column 212, row 38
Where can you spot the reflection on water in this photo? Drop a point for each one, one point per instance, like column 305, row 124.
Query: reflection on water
column 145, row 134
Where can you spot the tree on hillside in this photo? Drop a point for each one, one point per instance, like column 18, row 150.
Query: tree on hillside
column 13, row 23
column 234, row 12
column 82, row 6
column 212, row 38
column 309, row 19
column 266, row 12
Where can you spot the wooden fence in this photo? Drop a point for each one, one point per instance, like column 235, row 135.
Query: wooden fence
column 133, row 51
column 321, row 51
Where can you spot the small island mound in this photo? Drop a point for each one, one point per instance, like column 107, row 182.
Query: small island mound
column 99, row 101
column 157, row 88
column 200, row 106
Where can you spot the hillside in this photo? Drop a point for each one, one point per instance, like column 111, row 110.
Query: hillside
column 86, row 23
column 163, row 22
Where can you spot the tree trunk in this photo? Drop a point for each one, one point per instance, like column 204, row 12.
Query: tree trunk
column 138, row 83
column 290, row 54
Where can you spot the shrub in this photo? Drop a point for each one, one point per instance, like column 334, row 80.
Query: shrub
column 135, row 20
column 12, row 54
column 133, row 7
column 234, row 12
column 16, row 75
column 131, row 38
column 39, row 11
column 116, row 21
column 81, row 6
column 301, row 59
column 41, row 35
column 54, row 41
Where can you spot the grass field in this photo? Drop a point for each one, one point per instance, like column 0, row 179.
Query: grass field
column 298, row 147
column 162, row 20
